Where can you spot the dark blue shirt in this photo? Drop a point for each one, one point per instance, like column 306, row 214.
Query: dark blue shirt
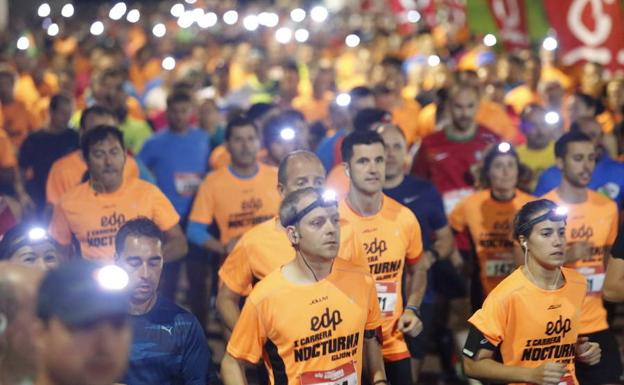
column 169, row 348
column 607, row 179
column 421, row 196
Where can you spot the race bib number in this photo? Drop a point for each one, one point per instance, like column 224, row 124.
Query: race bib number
column 452, row 198
column 499, row 266
column 595, row 278
column 566, row 380
column 187, row 183
column 387, row 296
column 342, row 375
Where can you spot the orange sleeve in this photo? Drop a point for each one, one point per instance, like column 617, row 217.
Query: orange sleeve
column 248, row 336
column 164, row 214
column 236, row 272
column 59, row 227
column 203, row 207
column 7, row 155
column 53, row 184
column 457, row 217
column 373, row 320
column 491, row 320
column 415, row 247
column 614, row 225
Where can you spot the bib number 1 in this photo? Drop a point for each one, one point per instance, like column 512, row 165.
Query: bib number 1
column 342, row 375
column 387, row 296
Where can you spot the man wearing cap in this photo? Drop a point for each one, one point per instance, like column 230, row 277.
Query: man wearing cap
column 314, row 320
column 591, row 229
column 83, row 333
column 169, row 346
column 18, row 288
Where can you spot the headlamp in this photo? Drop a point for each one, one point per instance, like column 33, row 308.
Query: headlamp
column 557, row 214
column 112, row 277
column 327, row 199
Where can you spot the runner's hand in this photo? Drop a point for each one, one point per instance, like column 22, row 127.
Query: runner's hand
column 588, row 352
column 410, row 324
column 548, row 374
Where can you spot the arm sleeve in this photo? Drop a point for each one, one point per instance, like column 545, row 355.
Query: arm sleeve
column 491, row 320
column 197, row 365
column 59, row 227
column 248, row 336
column 53, row 188
column 197, row 233
column 203, row 206
column 236, row 272
column 164, row 214
column 614, row 225
column 438, row 216
column 415, row 248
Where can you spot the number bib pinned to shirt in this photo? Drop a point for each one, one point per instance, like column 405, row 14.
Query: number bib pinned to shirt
column 499, row 265
column 342, row 375
column 187, row 183
column 387, row 296
column 595, row 276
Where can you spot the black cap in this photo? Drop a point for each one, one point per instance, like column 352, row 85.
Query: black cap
column 82, row 292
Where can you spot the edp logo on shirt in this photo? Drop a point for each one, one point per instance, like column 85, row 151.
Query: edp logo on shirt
column 326, row 320
column 560, row 326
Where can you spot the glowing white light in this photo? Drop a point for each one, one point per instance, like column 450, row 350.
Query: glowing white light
column 504, row 147
column 413, row 16
column 302, row 35
column 561, row 210
column 168, row 63
column 433, row 60
column 44, row 10
column 298, row 15
column 97, row 28
column 118, row 11
column 489, row 40
column 159, row 30
column 550, row 43
column 319, row 14
column 37, row 234
column 190, row 1
column 197, row 14
column 112, row 277
column 343, row 99
column 177, row 10
column 268, row 19
column 133, row 16
column 53, row 29
column 552, row 117
column 287, row 133
column 230, row 17
column 283, row 35
column 23, row 43
column 186, row 20
column 352, row 40
column 250, row 22
column 67, row 10
column 208, row 20
column 329, row 195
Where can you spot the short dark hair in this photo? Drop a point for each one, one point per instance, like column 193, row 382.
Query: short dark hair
column 98, row 134
column 561, row 145
column 282, row 171
column 360, row 92
column 258, row 110
column 587, row 100
column 493, row 153
column 137, row 227
column 367, row 117
column 288, row 207
column 178, row 97
column 95, row 110
column 238, row 121
column 392, row 61
column 528, row 212
column 355, row 138
column 58, row 99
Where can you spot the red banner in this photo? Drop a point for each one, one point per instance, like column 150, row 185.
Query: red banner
column 588, row 30
column 510, row 17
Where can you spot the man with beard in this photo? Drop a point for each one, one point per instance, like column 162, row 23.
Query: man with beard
column 94, row 211
column 591, row 229
column 169, row 346
column 18, row 288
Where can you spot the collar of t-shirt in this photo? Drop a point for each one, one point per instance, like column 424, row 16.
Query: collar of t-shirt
column 239, row 176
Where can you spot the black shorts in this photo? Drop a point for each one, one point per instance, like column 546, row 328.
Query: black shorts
column 418, row 345
column 609, row 369
column 399, row 372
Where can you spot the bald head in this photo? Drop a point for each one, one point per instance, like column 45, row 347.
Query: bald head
column 298, row 170
column 18, row 288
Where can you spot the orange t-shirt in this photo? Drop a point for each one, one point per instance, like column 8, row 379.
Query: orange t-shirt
column 94, row 218
column 489, row 223
column 387, row 241
column 338, row 181
column 493, row 116
column 426, row 120
column 520, row 97
column 264, row 248
column 530, row 325
column 236, row 204
column 308, row 334
column 18, row 122
column 405, row 116
column 67, row 172
column 594, row 221
column 314, row 109
column 7, row 153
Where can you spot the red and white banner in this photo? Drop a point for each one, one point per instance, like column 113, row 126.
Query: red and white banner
column 510, row 17
column 588, row 30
